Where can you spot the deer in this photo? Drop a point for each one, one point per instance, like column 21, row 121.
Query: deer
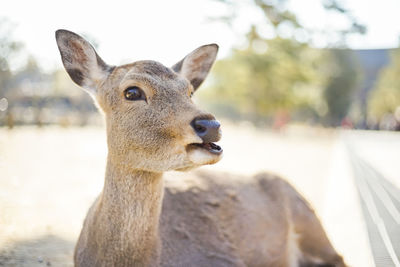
column 200, row 219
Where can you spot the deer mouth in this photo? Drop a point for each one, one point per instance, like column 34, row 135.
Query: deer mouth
column 209, row 147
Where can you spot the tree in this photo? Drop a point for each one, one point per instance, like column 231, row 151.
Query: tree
column 341, row 85
column 278, row 16
column 281, row 74
column 8, row 49
column 258, row 84
column 385, row 98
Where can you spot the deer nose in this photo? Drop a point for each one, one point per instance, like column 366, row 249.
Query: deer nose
column 207, row 129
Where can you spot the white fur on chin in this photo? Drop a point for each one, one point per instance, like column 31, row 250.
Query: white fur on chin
column 202, row 157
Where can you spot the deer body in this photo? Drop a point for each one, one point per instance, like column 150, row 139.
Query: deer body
column 207, row 219
column 220, row 223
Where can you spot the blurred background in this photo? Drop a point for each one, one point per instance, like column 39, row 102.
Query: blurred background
column 321, row 62
column 311, row 89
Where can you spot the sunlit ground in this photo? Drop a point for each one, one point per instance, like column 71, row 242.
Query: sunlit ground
column 50, row 176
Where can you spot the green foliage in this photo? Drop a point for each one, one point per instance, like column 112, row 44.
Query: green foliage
column 385, row 98
column 8, row 49
column 276, row 12
column 283, row 77
column 342, row 81
column 287, row 77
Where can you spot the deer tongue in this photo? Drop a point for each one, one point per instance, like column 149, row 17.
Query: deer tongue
column 211, row 147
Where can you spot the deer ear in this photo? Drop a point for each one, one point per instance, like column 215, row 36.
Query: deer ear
column 81, row 61
column 196, row 65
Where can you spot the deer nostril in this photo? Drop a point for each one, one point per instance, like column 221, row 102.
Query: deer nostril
column 199, row 128
column 207, row 130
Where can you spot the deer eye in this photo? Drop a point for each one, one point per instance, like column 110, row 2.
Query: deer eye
column 134, row 93
column 191, row 94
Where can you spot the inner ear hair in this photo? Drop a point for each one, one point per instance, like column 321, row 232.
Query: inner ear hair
column 83, row 64
column 197, row 64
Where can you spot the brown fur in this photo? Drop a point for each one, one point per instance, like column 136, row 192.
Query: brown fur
column 207, row 219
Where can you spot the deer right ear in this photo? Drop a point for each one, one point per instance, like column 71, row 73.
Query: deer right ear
column 81, row 61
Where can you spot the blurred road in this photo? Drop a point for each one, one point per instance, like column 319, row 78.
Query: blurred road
column 50, row 176
column 359, row 214
column 376, row 169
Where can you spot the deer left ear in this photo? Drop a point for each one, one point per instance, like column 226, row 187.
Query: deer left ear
column 81, row 61
column 196, row 65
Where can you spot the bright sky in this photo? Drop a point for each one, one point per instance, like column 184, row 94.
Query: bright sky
column 166, row 30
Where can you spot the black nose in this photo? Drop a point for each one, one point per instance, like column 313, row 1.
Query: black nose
column 207, row 129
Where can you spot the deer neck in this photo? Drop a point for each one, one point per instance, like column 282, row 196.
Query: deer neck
column 133, row 199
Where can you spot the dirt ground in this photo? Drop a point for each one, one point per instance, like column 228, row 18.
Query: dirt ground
column 50, row 176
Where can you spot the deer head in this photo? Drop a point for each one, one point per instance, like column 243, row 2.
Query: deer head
column 152, row 122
